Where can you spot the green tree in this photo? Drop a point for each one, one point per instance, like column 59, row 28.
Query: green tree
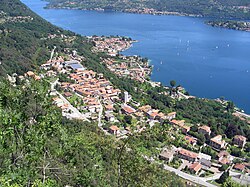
column 230, row 106
column 223, row 167
column 230, row 183
column 128, row 119
column 172, row 83
column 223, row 177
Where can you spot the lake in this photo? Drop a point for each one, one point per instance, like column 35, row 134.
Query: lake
column 209, row 62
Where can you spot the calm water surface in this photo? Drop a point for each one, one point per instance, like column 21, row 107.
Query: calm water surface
column 209, row 62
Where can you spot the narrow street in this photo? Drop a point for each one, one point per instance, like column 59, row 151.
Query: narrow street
column 195, row 179
column 76, row 114
column 100, row 115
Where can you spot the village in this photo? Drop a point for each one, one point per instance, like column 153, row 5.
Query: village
column 111, row 45
column 86, row 95
column 5, row 18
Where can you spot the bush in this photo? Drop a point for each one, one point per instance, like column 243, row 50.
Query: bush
column 223, row 167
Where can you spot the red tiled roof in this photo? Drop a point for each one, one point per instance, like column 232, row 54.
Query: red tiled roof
column 241, row 138
column 114, row 128
column 153, row 114
column 172, row 113
column 205, row 128
column 109, row 107
column 30, row 73
column 190, row 139
column 188, row 153
column 178, row 122
column 218, row 140
column 195, row 166
column 224, row 161
column 128, row 109
column 239, row 166
column 223, row 154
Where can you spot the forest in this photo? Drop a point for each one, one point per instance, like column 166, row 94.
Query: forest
column 41, row 148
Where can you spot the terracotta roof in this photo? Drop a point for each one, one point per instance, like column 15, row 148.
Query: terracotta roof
column 224, row 160
column 218, row 139
column 186, row 127
column 223, row 154
column 114, row 128
column 195, row 166
column 172, row 113
column 205, row 128
column 30, row 73
column 109, row 107
column 178, row 122
column 145, row 108
column 55, row 98
column 37, row 78
column 188, row 153
column 128, row 109
column 190, row 139
column 239, row 166
column 161, row 115
column 67, row 94
column 153, row 114
column 241, row 138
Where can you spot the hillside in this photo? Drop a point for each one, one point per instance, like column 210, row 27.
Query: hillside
column 216, row 8
column 21, row 38
column 39, row 147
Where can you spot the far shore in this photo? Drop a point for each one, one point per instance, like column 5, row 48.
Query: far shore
column 239, row 111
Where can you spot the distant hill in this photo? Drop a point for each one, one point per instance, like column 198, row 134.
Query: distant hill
column 239, row 9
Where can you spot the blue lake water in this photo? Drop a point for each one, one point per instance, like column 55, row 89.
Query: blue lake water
column 209, row 62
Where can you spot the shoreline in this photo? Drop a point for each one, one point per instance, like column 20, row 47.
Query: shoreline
column 238, row 110
column 230, row 25
column 158, row 13
column 132, row 11
column 130, row 46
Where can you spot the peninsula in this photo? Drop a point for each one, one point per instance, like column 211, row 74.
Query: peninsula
column 235, row 25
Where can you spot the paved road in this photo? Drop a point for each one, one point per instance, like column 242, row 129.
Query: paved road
column 243, row 114
column 217, row 176
column 100, row 115
column 195, row 179
column 183, row 95
column 192, row 178
column 76, row 114
column 183, row 165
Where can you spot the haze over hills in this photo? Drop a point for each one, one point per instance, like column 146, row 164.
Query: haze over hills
column 214, row 8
